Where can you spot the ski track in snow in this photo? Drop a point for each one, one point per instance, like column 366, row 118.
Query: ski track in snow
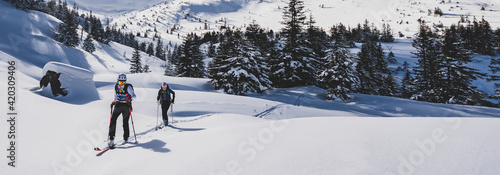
column 269, row 111
column 266, row 112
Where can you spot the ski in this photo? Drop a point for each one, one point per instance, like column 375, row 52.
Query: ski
column 112, row 147
column 103, row 151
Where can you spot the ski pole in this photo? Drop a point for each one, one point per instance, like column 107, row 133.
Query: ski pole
column 111, row 116
column 172, row 112
column 157, row 106
column 135, row 136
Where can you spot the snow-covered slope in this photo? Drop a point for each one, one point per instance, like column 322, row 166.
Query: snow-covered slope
column 28, row 38
column 402, row 15
column 284, row 131
column 113, row 7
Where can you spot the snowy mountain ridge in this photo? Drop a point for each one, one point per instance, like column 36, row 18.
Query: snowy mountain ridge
column 402, row 16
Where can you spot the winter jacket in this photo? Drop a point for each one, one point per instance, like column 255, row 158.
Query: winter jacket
column 164, row 95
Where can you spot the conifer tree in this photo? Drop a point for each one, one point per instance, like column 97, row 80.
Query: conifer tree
column 429, row 80
column 159, row 52
column 150, row 50
column 170, row 69
column 67, row 30
column 135, row 62
column 294, row 67
column 316, row 42
column 497, row 39
column 458, row 87
column 387, row 35
column 485, row 38
column 494, row 77
column 239, row 67
column 88, row 45
column 338, row 76
column 146, row 69
column 258, row 37
column 374, row 76
column 341, row 36
column 190, row 63
column 407, row 85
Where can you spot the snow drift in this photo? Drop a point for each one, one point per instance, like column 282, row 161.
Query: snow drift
column 76, row 81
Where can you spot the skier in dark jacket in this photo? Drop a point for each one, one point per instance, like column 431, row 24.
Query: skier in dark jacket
column 124, row 93
column 165, row 100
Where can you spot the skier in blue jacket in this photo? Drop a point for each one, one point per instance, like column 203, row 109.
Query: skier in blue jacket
column 165, row 100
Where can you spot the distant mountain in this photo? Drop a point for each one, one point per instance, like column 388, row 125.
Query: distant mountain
column 186, row 16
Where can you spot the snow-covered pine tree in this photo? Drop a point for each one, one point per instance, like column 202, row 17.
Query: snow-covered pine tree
column 67, row 30
column 190, row 63
column 239, row 67
column 467, row 35
column 96, row 29
column 142, row 46
column 365, row 69
column 317, row 42
column 107, row 34
column 494, row 77
column 218, row 67
column 497, row 38
column 429, row 79
column 135, row 62
column 256, row 34
column 338, row 76
column 211, row 50
column 341, row 36
column 174, row 56
column 150, row 50
column 145, row 68
column 170, row 69
column 407, row 85
column 27, row 4
column 386, row 85
column 459, row 76
column 51, row 6
column 485, row 38
column 88, row 45
column 62, row 9
column 387, row 35
column 374, row 76
column 159, row 52
column 294, row 67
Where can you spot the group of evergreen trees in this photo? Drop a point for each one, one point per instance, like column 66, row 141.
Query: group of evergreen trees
column 443, row 73
column 67, row 32
column 254, row 59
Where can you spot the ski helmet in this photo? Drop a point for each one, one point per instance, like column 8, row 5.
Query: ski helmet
column 164, row 84
column 122, row 77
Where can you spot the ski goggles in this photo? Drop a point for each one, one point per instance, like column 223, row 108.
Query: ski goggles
column 121, row 82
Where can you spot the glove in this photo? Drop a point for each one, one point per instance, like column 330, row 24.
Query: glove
column 128, row 98
column 173, row 101
column 112, row 104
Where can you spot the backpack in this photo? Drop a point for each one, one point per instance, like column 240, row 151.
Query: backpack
column 122, row 95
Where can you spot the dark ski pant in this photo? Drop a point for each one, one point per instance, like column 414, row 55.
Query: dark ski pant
column 124, row 109
column 164, row 109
